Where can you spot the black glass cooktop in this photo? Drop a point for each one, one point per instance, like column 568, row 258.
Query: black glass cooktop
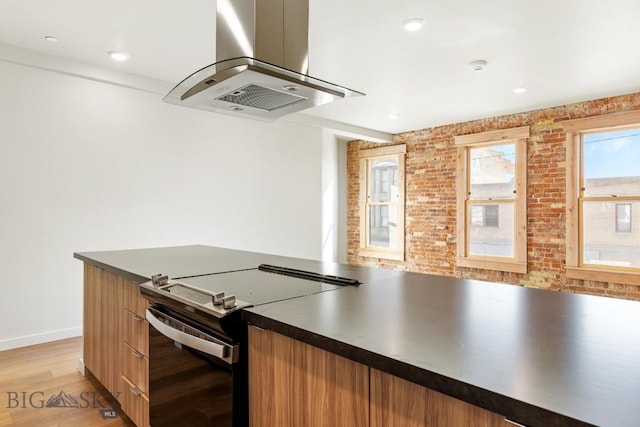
column 260, row 287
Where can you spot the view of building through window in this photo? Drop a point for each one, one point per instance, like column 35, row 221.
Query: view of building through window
column 484, row 215
column 383, row 192
column 610, row 202
column 491, row 200
column 623, row 217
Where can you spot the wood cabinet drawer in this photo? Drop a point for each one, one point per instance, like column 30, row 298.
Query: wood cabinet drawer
column 132, row 299
column 135, row 403
column 135, row 366
column 135, row 331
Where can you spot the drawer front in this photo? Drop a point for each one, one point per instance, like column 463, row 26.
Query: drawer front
column 135, row 403
column 135, row 366
column 136, row 332
column 133, row 300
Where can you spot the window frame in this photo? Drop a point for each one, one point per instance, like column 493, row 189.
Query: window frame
column 575, row 129
column 397, row 152
column 517, row 136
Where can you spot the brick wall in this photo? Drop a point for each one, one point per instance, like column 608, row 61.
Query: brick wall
column 430, row 215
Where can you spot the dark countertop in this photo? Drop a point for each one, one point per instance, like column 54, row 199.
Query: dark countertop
column 176, row 262
column 198, row 260
column 539, row 357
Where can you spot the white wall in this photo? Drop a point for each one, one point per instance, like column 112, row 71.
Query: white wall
column 343, row 188
column 330, row 190
column 334, row 198
column 89, row 166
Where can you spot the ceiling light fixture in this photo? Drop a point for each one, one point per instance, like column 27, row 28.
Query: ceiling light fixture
column 520, row 89
column 393, row 116
column 119, row 56
column 413, row 24
column 478, row 65
column 51, row 39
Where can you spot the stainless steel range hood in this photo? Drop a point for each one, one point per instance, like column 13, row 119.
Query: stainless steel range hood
column 262, row 64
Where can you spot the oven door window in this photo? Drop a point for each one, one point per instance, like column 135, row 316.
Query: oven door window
column 187, row 387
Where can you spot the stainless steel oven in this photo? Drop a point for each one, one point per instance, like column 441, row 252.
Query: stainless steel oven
column 194, row 374
column 197, row 340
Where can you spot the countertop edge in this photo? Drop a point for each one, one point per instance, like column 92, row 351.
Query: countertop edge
column 112, row 269
column 514, row 410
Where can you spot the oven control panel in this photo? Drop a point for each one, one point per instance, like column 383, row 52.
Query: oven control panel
column 217, row 303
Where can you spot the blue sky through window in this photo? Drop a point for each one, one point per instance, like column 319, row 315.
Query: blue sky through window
column 612, row 154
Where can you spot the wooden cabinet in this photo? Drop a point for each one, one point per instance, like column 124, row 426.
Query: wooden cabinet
column 294, row 384
column 399, row 403
column 116, row 339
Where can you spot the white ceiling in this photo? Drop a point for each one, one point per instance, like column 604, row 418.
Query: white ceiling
column 563, row 51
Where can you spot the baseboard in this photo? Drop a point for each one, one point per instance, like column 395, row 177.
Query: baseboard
column 27, row 340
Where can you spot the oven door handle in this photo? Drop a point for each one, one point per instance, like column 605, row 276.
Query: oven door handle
column 221, row 351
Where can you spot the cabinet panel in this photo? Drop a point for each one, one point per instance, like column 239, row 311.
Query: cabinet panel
column 295, row 384
column 399, row 403
column 135, row 366
column 135, row 403
column 102, row 336
column 133, row 301
column 92, row 319
column 135, row 331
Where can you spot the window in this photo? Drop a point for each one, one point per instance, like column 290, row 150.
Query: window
column 491, row 200
column 382, row 202
column 603, row 184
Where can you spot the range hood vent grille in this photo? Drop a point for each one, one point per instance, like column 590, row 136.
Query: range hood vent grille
column 260, row 97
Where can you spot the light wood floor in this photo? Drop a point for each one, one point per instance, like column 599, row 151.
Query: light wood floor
column 29, row 376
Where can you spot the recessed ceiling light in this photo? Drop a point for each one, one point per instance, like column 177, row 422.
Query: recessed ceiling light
column 521, row 89
column 478, row 65
column 119, row 56
column 51, row 39
column 413, row 24
column 393, row 116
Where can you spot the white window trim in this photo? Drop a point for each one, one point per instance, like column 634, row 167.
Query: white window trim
column 574, row 130
column 518, row 263
column 365, row 156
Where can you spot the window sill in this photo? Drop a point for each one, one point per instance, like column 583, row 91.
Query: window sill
column 382, row 254
column 603, row 275
column 498, row 265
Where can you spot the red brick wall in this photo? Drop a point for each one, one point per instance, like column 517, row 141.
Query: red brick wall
column 430, row 216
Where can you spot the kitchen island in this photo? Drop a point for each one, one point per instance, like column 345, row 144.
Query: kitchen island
column 533, row 356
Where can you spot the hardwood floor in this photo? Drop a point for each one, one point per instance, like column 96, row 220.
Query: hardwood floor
column 32, row 376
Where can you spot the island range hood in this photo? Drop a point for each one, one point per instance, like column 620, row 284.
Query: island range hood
column 262, row 64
